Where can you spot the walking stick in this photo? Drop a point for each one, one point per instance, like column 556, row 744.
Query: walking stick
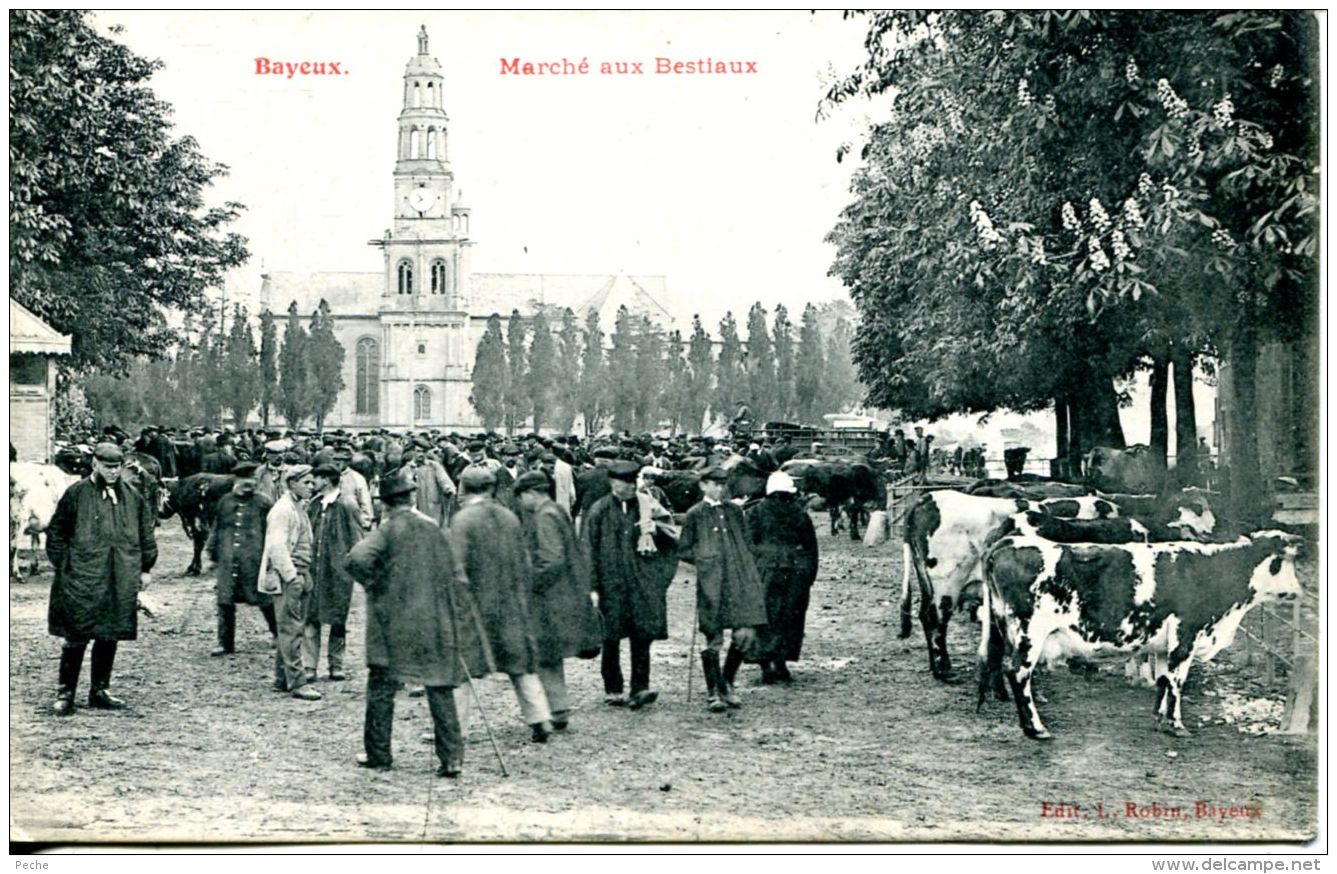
column 691, row 649
column 479, row 701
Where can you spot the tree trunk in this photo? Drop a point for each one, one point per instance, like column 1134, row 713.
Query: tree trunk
column 1160, row 422
column 1186, row 418
column 1094, row 413
column 1247, row 498
column 1062, row 467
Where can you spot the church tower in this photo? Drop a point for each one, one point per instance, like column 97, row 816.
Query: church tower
column 424, row 303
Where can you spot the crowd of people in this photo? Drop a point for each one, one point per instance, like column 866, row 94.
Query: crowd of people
column 478, row 555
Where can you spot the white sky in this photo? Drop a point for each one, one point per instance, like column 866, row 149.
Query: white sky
column 726, row 185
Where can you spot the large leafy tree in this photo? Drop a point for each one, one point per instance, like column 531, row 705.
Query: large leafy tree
column 324, row 364
column 622, row 371
column 730, row 378
column 761, row 376
column 700, row 367
column 517, row 394
column 541, row 373
column 1059, row 198
column 108, row 228
column 293, row 403
column 241, row 371
column 489, row 376
column 566, row 388
column 840, row 383
column 811, row 361
column 652, row 383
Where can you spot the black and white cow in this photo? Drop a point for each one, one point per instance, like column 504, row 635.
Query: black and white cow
column 1186, row 599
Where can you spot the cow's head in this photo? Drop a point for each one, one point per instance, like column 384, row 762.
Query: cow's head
column 1274, row 576
column 1192, row 516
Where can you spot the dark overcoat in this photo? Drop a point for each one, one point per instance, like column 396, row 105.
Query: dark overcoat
column 100, row 539
column 785, row 546
column 236, row 543
column 491, row 550
column 421, row 619
column 566, row 619
column 336, row 528
column 729, row 591
column 632, row 587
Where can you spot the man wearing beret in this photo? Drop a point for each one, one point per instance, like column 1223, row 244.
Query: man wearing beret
column 235, row 545
column 567, row 622
column 285, row 574
column 729, row 591
column 491, row 549
column 336, row 527
column 102, row 545
column 633, row 560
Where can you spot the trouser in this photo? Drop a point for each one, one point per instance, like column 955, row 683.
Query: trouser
column 553, row 678
column 528, row 691
column 290, row 607
column 227, row 624
column 447, row 735
column 311, row 647
column 611, row 666
column 72, row 664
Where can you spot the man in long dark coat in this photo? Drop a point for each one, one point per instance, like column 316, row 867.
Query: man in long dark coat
column 336, row 527
column 631, row 577
column 422, row 626
column 785, row 546
column 729, row 591
column 491, row 551
column 235, row 546
column 566, row 619
column 102, row 545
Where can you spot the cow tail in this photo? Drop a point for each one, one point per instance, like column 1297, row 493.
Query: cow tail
column 906, row 597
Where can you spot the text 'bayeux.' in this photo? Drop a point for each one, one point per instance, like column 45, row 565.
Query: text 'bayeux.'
column 661, row 66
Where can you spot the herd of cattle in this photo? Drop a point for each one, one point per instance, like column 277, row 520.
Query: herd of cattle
column 1055, row 570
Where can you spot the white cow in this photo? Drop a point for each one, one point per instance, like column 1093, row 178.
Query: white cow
column 34, row 490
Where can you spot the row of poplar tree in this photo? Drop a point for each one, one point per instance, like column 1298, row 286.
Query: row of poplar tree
column 217, row 370
column 547, row 371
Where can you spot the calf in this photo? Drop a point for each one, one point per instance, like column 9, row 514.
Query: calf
column 195, row 499
column 1183, row 598
column 844, row 487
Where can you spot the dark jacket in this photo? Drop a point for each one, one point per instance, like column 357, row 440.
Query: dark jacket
column 335, row 529
column 236, row 543
column 422, row 623
column 632, row 588
column 99, row 547
column 492, row 554
column 729, row 591
column 567, row 621
column 785, row 546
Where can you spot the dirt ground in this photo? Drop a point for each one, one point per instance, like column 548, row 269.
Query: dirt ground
column 864, row 745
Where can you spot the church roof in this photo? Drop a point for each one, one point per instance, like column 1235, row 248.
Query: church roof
column 27, row 333
column 359, row 294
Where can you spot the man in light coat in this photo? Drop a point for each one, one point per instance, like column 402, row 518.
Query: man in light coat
column 285, row 574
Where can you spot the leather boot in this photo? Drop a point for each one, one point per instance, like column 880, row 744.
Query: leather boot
column 337, row 644
column 104, row 656
column 71, row 664
column 227, row 630
column 731, row 664
column 710, row 665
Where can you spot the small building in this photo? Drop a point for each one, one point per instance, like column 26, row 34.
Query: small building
column 32, row 382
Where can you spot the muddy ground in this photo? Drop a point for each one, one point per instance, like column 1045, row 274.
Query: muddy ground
column 864, row 745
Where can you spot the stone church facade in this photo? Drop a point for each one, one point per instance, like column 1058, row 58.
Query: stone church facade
column 410, row 331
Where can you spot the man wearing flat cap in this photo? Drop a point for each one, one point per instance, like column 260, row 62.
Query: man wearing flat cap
column 101, row 542
column 491, row 550
column 235, row 545
column 436, row 491
column 336, row 527
column 422, row 626
column 269, row 479
column 285, row 574
column 567, row 623
column 633, row 559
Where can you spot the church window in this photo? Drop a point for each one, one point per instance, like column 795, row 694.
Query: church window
column 422, row 403
column 438, row 277
column 413, row 143
column 368, row 377
column 417, row 96
column 431, row 143
column 422, row 349
column 405, row 277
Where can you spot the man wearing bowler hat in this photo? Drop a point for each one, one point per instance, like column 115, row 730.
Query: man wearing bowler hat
column 102, row 545
column 422, row 626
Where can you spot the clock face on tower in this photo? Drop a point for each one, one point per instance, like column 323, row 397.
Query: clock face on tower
column 421, row 199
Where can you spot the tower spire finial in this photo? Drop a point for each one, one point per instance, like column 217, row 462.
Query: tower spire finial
column 422, row 40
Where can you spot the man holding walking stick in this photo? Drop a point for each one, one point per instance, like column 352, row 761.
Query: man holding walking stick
column 422, row 626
